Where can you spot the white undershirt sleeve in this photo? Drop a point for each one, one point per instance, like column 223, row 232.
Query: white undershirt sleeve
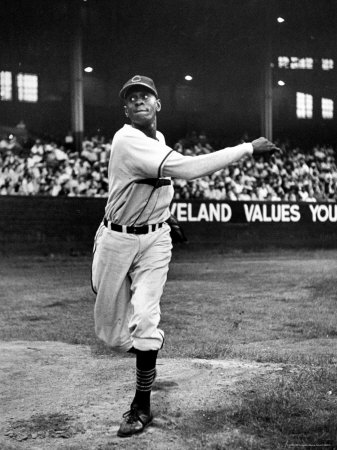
column 190, row 167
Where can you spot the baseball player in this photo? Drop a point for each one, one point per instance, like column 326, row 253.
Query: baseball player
column 132, row 247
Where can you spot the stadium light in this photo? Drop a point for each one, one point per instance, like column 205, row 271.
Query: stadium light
column 280, row 20
column 281, row 83
column 188, row 78
column 88, row 69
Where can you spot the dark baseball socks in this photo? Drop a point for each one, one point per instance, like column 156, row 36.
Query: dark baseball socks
column 145, row 376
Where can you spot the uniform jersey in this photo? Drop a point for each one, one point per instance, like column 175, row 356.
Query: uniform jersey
column 135, row 165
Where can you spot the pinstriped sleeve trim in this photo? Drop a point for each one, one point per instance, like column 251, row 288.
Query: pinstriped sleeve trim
column 162, row 163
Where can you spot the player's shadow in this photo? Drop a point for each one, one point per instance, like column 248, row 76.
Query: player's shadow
column 164, row 385
column 165, row 416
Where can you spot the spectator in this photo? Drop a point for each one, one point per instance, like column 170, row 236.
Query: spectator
column 51, row 169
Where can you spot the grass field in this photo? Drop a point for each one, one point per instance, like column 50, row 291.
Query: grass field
column 275, row 307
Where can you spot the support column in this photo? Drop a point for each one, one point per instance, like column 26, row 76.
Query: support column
column 267, row 89
column 77, row 108
column 267, row 126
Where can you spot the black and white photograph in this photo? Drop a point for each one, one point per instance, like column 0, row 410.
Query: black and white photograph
column 168, row 224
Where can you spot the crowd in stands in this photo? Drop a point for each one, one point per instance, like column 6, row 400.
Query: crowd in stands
column 56, row 170
column 48, row 168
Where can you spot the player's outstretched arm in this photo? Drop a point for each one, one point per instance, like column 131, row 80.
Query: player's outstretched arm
column 190, row 167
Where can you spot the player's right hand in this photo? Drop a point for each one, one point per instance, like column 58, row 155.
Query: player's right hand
column 262, row 145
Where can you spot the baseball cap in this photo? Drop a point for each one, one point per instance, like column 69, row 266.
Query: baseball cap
column 139, row 80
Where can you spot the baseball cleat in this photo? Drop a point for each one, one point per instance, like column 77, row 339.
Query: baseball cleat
column 134, row 422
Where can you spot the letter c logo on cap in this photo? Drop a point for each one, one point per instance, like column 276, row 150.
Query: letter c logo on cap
column 135, row 79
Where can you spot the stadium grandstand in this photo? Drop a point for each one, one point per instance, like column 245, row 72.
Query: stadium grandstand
column 226, row 71
column 48, row 168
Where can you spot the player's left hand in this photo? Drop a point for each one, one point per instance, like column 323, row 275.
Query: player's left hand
column 263, row 145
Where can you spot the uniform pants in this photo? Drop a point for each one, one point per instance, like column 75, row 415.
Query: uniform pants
column 128, row 275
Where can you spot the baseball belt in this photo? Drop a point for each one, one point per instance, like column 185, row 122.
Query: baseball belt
column 132, row 230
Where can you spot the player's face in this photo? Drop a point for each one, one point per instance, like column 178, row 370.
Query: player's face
column 141, row 107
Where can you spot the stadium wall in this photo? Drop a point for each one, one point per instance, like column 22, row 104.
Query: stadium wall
column 45, row 225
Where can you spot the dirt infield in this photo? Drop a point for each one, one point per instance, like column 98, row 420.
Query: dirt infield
column 249, row 361
column 60, row 396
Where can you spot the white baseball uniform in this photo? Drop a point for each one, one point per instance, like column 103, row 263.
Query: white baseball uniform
column 129, row 270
